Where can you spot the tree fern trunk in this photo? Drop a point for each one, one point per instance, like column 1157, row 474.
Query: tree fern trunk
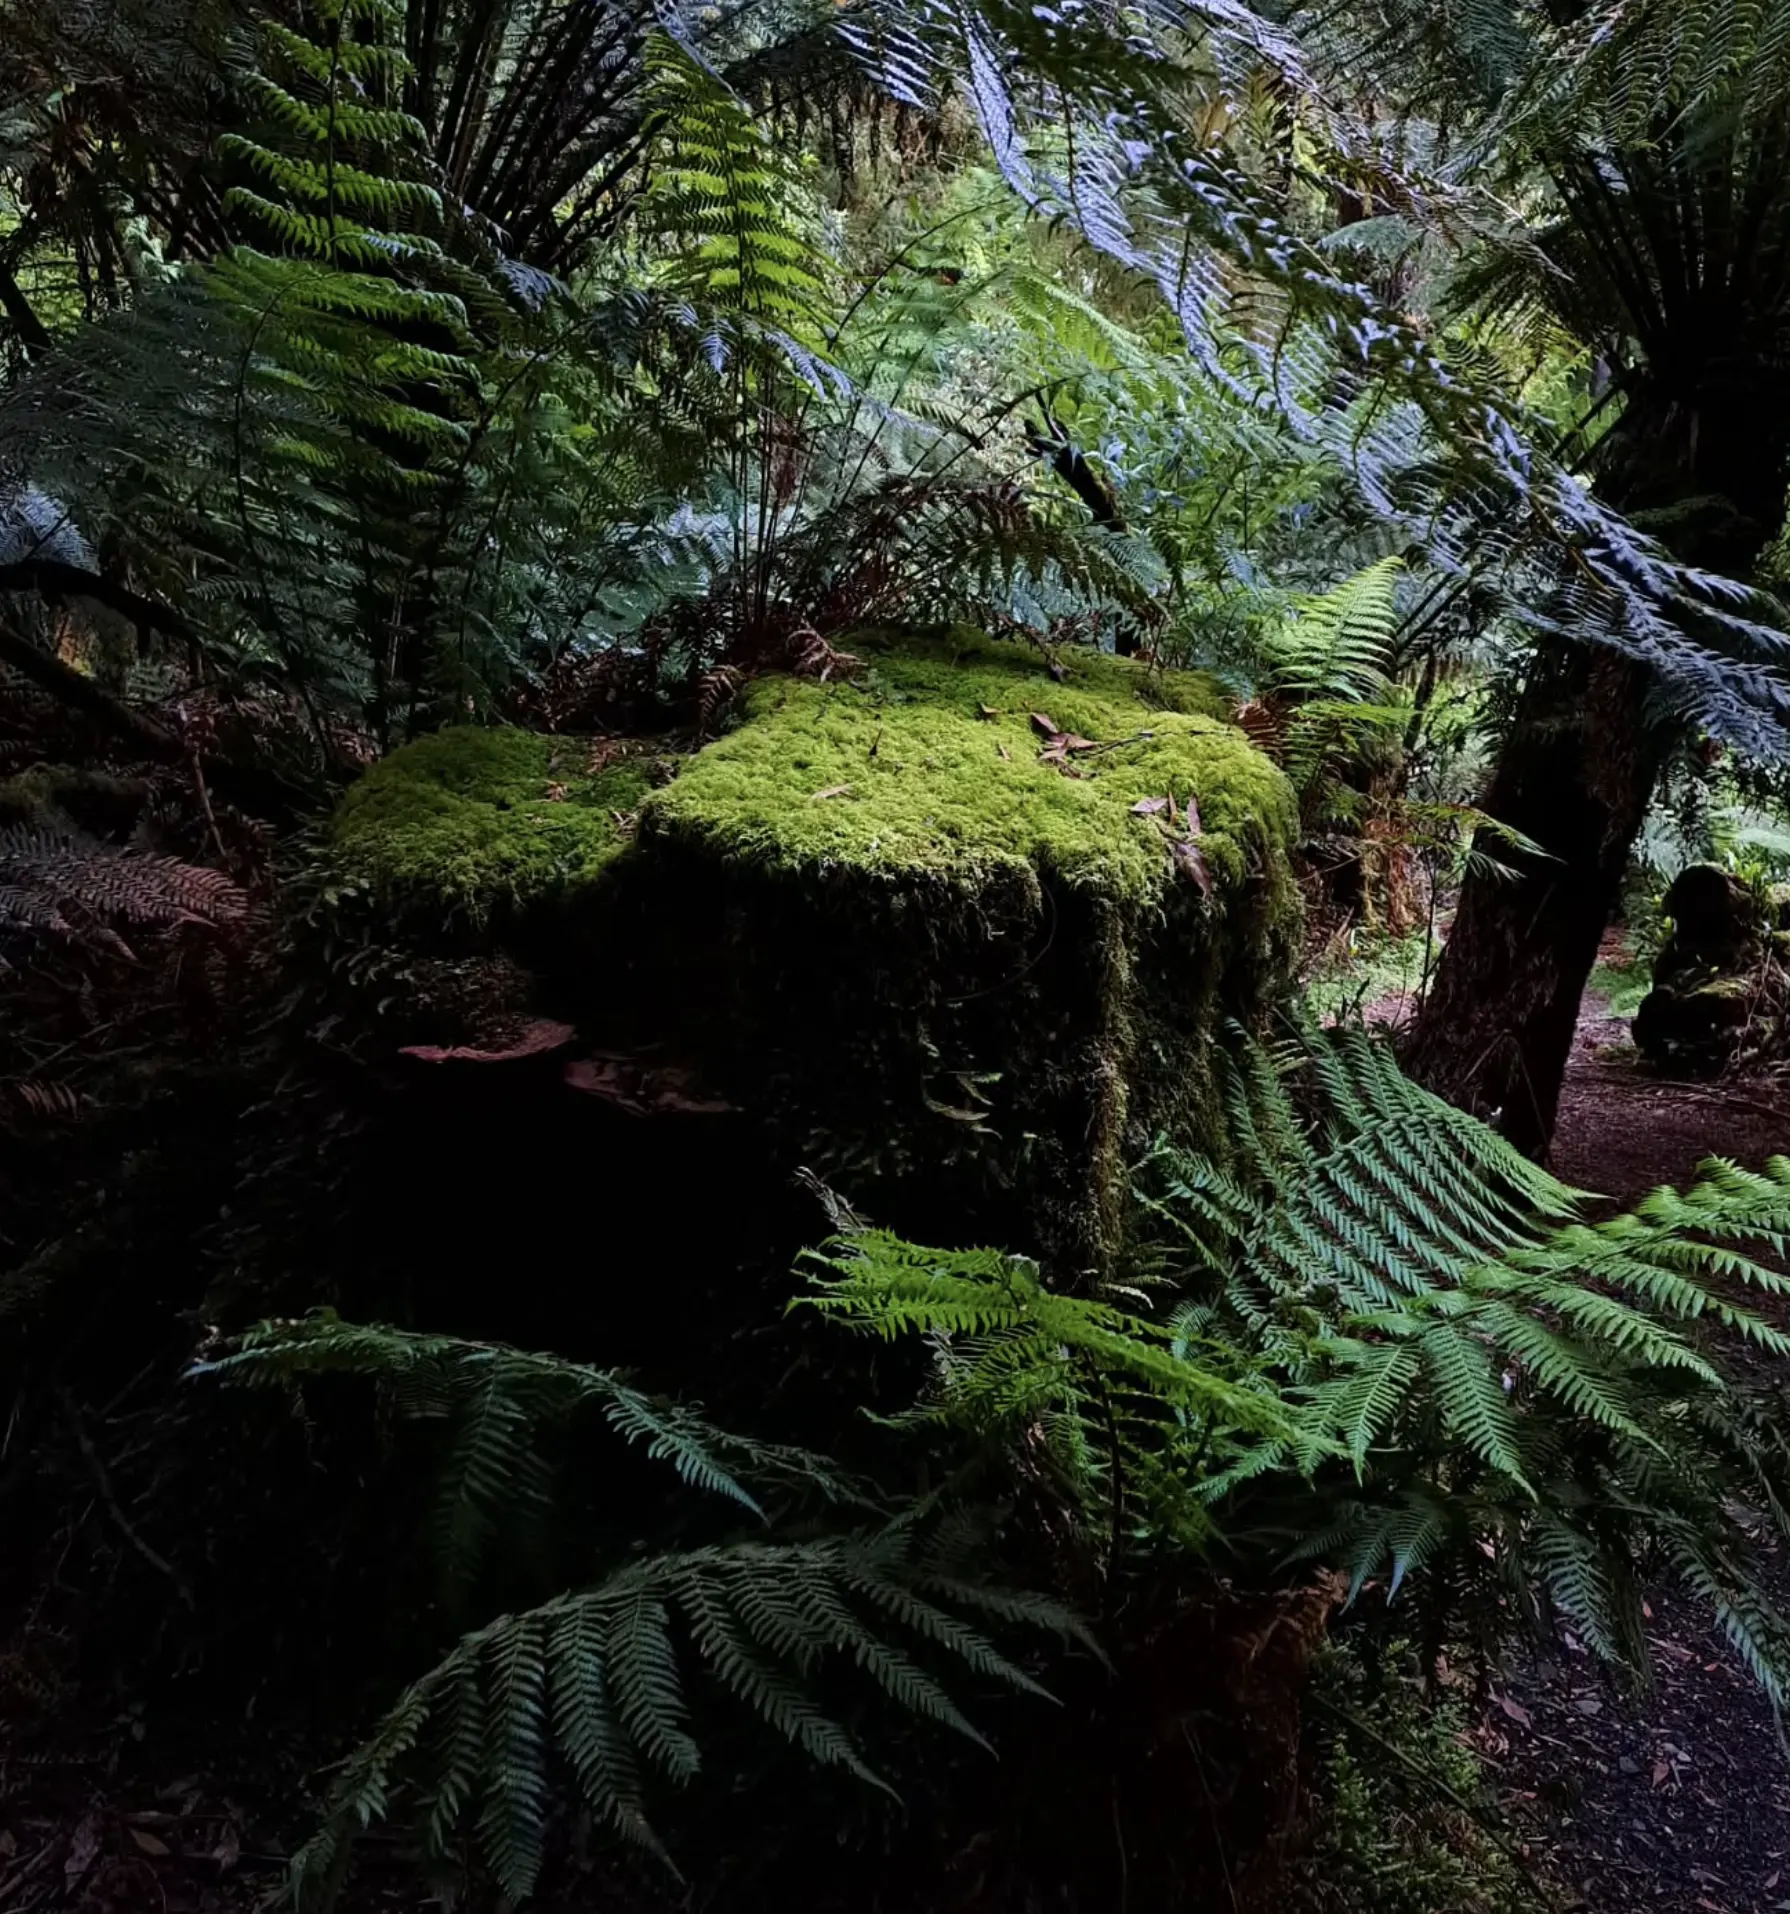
column 1575, row 776
column 1578, row 767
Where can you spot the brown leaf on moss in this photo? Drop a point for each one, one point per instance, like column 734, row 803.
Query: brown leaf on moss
column 1046, row 726
column 1190, row 863
column 1152, row 807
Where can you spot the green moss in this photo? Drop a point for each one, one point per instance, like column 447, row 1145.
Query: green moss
column 1406, row 1821
column 472, row 823
column 962, row 980
column 929, row 767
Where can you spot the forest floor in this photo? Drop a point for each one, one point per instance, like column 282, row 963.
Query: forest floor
column 1676, row 1800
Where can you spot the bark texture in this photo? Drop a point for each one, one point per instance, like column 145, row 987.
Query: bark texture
column 1575, row 776
column 1707, row 470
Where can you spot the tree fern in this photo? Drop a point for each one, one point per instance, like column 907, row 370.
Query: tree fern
column 1088, row 128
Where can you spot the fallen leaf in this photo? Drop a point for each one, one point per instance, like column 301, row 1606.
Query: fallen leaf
column 536, row 1038
column 83, row 1847
column 1149, row 807
column 229, row 1848
column 1661, row 1773
column 1515, row 1710
column 149, row 1843
column 1191, row 864
column 832, row 791
column 986, row 711
column 9, row 1844
column 1070, row 742
column 1045, row 726
column 1589, row 1705
column 1194, row 826
column 556, row 794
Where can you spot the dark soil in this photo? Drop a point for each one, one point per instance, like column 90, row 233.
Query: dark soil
column 1676, row 1799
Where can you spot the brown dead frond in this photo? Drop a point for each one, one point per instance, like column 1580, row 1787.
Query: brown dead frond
column 60, row 883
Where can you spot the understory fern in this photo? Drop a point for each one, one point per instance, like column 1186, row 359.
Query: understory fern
column 597, row 1679
column 1529, row 1409
column 593, row 1684
column 1123, row 1412
column 1329, row 693
column 57, row 883
column 1383, row 1342
column 492, row 1403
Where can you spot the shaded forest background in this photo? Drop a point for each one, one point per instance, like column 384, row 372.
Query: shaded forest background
column 602, row 1300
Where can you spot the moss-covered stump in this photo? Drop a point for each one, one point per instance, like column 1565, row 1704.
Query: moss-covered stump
column 1721, row 982
column 954, row 930
column 958, row 933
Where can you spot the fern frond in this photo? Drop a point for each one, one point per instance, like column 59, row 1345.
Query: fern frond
column 1516, row 1391
column 56, row 881
column 598, row 1677
column 494, row 1401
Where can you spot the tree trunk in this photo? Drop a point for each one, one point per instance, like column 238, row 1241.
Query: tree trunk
column 1579, row 765
column 1575, row 776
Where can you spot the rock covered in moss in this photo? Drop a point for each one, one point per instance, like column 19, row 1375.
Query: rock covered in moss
column 468, row 826
column 967, row 930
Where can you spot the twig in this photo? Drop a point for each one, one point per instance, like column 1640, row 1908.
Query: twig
column 204, row 796
column 103, row 1482
column 1739, row 1103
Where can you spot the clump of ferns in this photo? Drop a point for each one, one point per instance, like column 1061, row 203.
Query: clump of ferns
column 595, row 1690
column 1533, row 1412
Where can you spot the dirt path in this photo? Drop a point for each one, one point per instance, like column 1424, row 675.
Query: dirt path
column 1676, row 1801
